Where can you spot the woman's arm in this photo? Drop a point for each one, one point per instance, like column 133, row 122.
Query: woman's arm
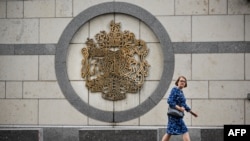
column 171, row 98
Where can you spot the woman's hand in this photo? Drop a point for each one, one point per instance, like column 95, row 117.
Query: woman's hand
column 182, row 109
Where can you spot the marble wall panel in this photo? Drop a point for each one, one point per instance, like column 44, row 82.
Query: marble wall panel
column 218, row 66
column 23, row 67
column 41, row 89
column 16, row 31
column 14, row 89
column 59, row 112
column 18, row 111
column 213, row 112
column 218, row 28
column 39, row 8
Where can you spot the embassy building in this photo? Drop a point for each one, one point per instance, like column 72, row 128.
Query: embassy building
column 84, row 70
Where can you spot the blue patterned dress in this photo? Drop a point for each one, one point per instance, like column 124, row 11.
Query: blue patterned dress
column 176, row 126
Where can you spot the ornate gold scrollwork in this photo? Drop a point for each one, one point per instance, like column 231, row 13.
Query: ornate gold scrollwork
column 116, row 64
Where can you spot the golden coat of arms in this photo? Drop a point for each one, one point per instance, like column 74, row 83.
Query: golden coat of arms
column 116, row 64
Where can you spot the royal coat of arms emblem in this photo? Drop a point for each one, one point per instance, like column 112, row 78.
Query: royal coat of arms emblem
column 115, row 63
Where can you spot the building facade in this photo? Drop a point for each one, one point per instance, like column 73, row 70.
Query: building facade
column 207, row 41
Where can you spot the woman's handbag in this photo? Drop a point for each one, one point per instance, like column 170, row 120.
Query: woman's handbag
column 175, row 112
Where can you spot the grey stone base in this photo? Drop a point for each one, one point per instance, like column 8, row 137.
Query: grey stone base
column 103, row 134
column 194, row 135
column 17, row 134
column 198, row 134
column 118, row 135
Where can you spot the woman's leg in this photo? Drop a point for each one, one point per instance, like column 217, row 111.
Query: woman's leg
column 186, row 137
column 166, row 137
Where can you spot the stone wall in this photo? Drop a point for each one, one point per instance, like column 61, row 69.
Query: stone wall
column 210, row 40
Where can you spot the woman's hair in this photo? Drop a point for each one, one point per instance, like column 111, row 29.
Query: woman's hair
column 176, row 82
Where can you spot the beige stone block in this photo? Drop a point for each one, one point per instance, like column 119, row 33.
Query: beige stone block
column 146, row 34
column 41, row 89
column 191, row 7
column 3, row 9
column 128, row 23
column 238, row 7
column 178, row 27
column 229, row 89
column 156, row 116
column 81, row 90
column 247, row 66
column 2, row 89
column 148, row 88
column 46, row 67
column 247, row 28
column 155, row 60
column 18, row 31
column 196, row 89
column 94, row 122
column 18, row 111
column 217, row 6
column 96, row 101
column 81, row 5
column 100, row 23
column 64, row 8
column 14, row 89
column 247, row 112
column 218, row 28
column 162, row 7
column 188, row 117
column 19, row 67
column 14, row 9
column 133, row 122
column 45, row 8
column 182, row 66
column 131, row 101
column 59, row 112
column 81, row 35
column 165, row 7
column 218, row 66
column 218, row 112
column 74, row 61
column 52, row 28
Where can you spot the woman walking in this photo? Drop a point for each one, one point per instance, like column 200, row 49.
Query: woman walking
column 177, row 100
